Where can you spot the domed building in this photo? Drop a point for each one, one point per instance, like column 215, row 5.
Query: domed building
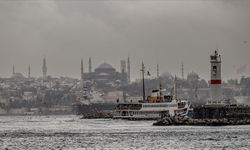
column 18, row 75
column 105, row 67
column 104, row 75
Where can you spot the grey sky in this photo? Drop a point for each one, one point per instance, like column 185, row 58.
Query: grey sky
column 165, row 32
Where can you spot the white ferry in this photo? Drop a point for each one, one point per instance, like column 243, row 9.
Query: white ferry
column 153, row 108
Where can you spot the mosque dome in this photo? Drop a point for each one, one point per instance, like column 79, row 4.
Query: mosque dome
column 18, row 76
column 105, row 66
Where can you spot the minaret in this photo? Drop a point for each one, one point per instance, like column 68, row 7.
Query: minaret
column 182, row 70
column 215, row 83
column 82, row 72
column 90, row 65
column 44, row 68
column 128, row 69
column 29, row 71
column 13, row 70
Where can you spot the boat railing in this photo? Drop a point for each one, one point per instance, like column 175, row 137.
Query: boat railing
column 181, row 105
column 128, row 107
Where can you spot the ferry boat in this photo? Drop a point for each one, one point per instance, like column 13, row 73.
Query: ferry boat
column 154, row 107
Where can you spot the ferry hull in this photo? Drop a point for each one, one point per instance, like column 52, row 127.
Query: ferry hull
column 136, row 118
column 84, row 109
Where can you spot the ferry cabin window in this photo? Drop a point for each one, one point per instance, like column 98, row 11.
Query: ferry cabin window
column 168, row 98
column 161, row 105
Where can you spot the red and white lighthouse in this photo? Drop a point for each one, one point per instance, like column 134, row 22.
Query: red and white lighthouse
column 215, row 82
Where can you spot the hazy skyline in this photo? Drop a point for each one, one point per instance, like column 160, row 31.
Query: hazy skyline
column 165, row 32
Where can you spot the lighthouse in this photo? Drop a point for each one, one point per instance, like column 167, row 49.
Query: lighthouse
column 215, row 82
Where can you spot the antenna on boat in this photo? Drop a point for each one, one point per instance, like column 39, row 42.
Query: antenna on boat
column 159, row 80
column 143, row 82
column 158, row 75
column 182, row 70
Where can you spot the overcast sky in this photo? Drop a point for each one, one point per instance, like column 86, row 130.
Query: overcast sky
column 166, row 32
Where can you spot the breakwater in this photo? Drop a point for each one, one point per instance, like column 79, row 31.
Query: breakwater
column 210, row 116
column 179, row 120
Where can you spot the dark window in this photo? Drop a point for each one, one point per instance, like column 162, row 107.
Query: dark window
column 214, row 70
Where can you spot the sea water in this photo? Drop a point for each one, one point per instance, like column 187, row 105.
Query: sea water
column 71, row 132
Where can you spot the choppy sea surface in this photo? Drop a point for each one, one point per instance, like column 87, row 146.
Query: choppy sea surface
column 70, row 132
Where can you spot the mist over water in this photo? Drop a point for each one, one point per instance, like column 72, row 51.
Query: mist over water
column 177, row 35
column 70, row 132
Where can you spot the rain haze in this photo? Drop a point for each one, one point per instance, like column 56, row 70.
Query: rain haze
column 85, row 74
column 156, row 32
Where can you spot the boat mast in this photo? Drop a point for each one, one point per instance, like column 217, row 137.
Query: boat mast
column 175, row 90
column 143, row 82
column 158, row 76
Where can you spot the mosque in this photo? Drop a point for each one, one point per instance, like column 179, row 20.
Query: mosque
column 106, row 75
column 17, row 75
